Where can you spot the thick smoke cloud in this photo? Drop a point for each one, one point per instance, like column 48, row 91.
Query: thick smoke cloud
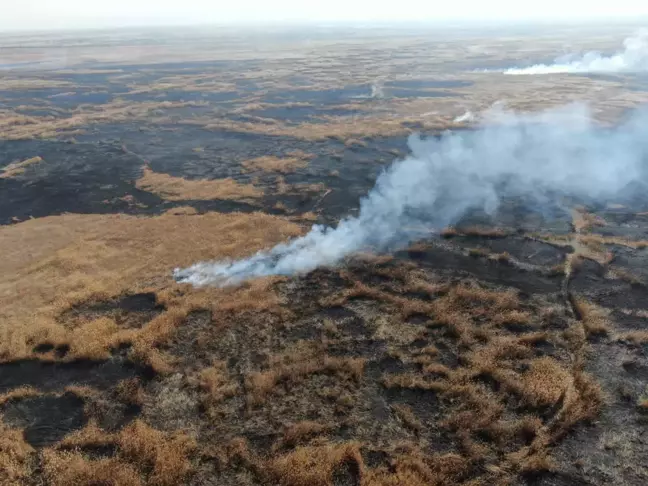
column 632, row 59
column 531, row 155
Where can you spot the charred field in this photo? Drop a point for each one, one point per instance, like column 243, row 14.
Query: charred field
column 508, row 349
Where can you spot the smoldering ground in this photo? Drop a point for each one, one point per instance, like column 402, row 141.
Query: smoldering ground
column 560, row 151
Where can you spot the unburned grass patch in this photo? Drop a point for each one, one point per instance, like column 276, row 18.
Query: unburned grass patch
column 15, row 456
column 180, row 189
column 87, row 260
column 142, row 456
column 282, row 165
column 17, row 168
column 294, row 367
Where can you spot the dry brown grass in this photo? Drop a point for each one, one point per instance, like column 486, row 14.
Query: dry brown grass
column 302, row 431
column 584, row 221
column 496, row 367
column 144, row 456
column 633, row 337
column 643, row 405
column 476, row 231
column 165, row 456
column 311, row 466
column 180, row 189
column 597, row 242
column 406, row 415
column 544, row 383
column 295, row 366
column 65, row 468
column 296, row 159
column 216, row 385
column 595, row 319
column 341, row 128
column 628, row 277
column 76, row 258
column 20, row 127
column 17, row 168
column 15, row 456
column 17, row 393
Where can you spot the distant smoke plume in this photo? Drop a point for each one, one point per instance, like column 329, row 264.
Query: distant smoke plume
column 377, row 91
column 633, row 58
column 531, row 155
column 467, row 117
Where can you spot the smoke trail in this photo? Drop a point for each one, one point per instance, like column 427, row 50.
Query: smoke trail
column 532, row 155
column 632, row 59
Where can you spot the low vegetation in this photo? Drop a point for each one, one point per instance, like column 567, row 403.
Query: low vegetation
column 180, row 189
column 17, row 168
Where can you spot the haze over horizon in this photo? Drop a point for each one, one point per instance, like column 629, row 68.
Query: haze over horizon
column 75, row 14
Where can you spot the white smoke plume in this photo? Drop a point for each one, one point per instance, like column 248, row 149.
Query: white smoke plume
column 632, row 59
column 467, row 117
column 377, row 91
column 532, row 155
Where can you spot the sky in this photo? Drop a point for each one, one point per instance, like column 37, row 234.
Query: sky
column 44, row 14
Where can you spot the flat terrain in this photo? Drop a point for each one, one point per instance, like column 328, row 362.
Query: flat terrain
column 511, row 349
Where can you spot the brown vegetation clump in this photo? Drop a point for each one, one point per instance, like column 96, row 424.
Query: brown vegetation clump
column 285, row 165
column 544, row 383
column 595, row 319
column 633, row 337
column 166, row 456
column 145, row 456
column 302, row 431
column 216, row 386
column 180, row 189
column 584, row 221
column 293, row 367
column 406, row 415
column 87, row 258
column 311, row 466
column 17, row 168
column 14, row 456
column 68, row 468
column 474, row 231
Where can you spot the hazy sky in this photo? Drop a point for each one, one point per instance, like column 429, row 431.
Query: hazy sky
column 40, row 14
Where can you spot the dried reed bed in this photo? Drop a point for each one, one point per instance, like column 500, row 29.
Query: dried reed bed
column 180, row 189
column 15, row 456
column 145, row 456
column 282, row 165
column 17, row 168
column 76, row 258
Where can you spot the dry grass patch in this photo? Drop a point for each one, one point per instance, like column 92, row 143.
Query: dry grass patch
column 80, row 258
column 595, row 319
column 633, row 337
column 296, row 159
column 216, row 386
column 144, row 456
column 544, row 383
column 17, row 168
column 311, row 466
column 15, row 456
column 584, row 221
column 18, row 393
column 65, row 468
column 475, row 231
column 341, row 128
column 180, row 189
column 406, row 415
column 295, row 366
column 302, row 431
